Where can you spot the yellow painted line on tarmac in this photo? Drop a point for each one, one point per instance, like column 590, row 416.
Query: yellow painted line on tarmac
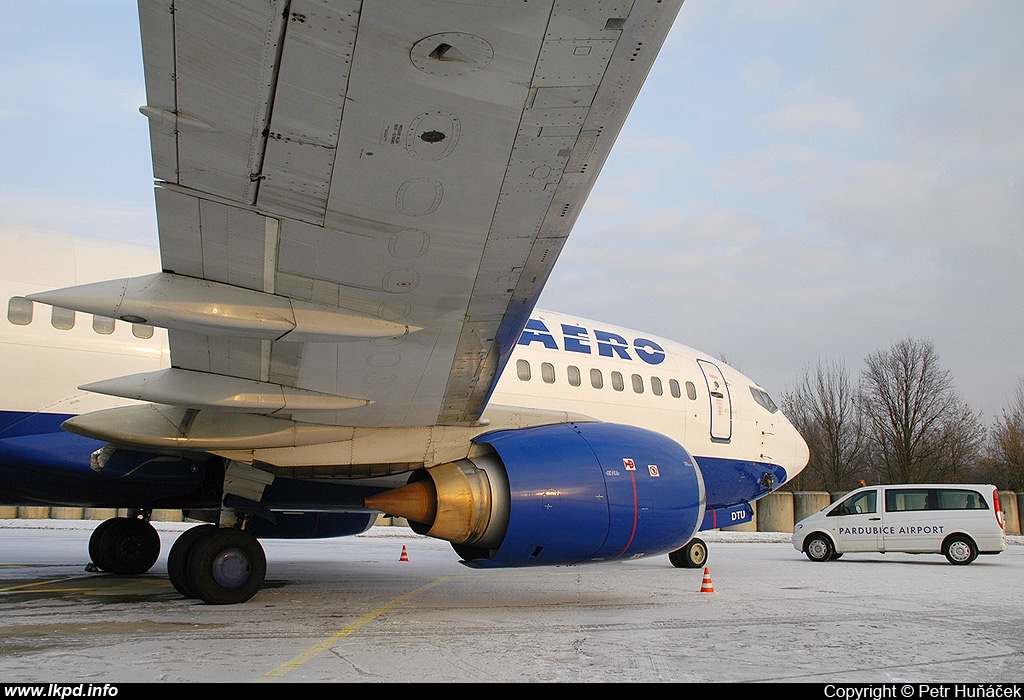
column 47, row 586
column 323, row 646
column 20, row 588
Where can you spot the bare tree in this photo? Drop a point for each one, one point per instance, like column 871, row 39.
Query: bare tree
column 1004, row 463
column 823, row 407
column 919, row 430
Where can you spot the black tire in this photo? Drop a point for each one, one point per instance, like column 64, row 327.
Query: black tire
column 226, row 567
column 692, row 555
column 97, row 555
column 177, row 558
column 819, row 548
column 960, row 550
column 126, row 546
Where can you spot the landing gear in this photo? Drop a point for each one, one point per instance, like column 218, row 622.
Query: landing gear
column 125, row 546
column 177, row 558
column 692, row 555
column 219, row 565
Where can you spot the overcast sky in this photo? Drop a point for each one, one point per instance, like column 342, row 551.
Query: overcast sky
column 800, row 180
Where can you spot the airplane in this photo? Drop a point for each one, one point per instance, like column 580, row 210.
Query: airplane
column 358, row 205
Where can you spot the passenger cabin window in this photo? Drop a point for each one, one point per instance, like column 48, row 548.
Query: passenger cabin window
column 596, row 379
column 523, row 370
column 547, row 372
column 673, row 387
column 573, row 373
column 638, row 383
column 19, row 311
column 691, row 391
column 617, row 382
column 103, row 325
column 62, row 319
column 656, row 388
column 142, row 331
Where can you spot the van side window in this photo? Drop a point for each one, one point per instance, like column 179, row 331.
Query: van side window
column 900, row 500
column 857, row 504
column 960, row 499
column 19, row 311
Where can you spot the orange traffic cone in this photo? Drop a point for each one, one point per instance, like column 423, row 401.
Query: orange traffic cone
column 405, row 554
column 705, row 586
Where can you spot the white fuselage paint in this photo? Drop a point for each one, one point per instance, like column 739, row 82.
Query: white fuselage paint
column 41, row 366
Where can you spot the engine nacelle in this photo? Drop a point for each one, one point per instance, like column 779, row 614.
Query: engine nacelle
column 558, row 494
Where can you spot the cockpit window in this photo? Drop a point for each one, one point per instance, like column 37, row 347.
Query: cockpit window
column 762, row 397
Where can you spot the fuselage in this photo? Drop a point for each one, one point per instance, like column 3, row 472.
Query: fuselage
column 586, row 369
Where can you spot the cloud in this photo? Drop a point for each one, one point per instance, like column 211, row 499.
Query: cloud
column 762, row 74
column 813, row 113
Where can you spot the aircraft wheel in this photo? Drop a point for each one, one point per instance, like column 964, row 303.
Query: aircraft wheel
column 178, row 557
column 226, row 566
column 692, row 555
column 819, row 548
column 97, row 554
column 126, row 546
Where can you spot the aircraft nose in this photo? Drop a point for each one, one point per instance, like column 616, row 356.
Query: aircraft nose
column 798, row 452
column 802, row 454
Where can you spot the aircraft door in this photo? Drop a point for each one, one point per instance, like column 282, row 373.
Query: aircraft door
column 721, row 402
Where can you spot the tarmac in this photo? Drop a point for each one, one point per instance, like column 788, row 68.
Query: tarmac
column 390, row 606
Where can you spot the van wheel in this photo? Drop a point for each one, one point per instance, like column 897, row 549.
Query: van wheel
column 960, row 550
column 818, row 548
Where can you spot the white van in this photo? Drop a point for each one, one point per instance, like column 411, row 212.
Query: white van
column 960, row 521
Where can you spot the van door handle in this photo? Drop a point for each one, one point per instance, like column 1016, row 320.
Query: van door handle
column 874, row 518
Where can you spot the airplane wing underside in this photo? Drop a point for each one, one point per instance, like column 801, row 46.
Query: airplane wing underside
column 359, row 203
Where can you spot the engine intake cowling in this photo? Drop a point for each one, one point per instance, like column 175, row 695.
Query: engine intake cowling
column 558, row 494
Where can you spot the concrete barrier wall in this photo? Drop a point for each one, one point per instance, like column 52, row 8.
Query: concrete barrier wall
column 56, row 513
column 808, row 503
column 1011, row 503
column 776, row 512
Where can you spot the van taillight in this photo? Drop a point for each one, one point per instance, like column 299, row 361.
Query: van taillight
column 998, row 508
